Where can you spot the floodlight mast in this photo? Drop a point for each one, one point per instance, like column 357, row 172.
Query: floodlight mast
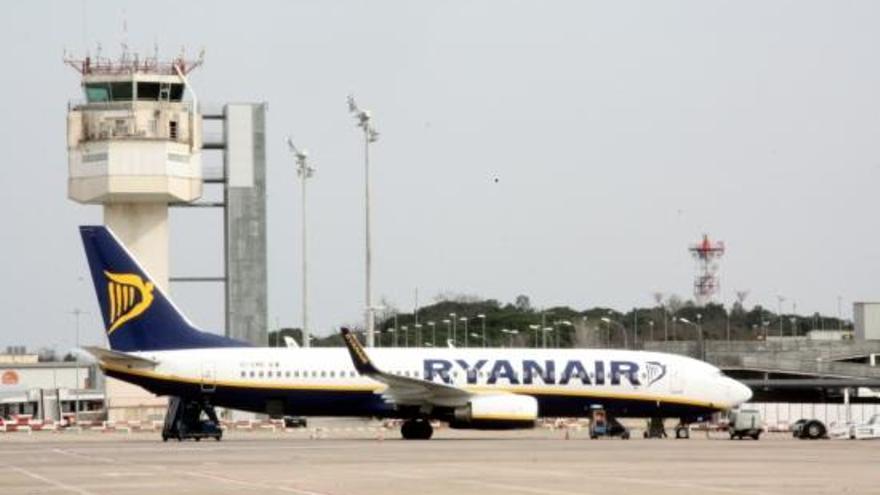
column 304, row 172
column 363, row 119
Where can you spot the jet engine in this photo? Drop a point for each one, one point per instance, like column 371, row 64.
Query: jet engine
column 497, row 412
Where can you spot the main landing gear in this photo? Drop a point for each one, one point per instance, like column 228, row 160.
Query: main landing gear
column 655, row 428
column 416, row 429
column 195, row 419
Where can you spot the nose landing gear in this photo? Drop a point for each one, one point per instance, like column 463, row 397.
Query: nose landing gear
column 682, row 432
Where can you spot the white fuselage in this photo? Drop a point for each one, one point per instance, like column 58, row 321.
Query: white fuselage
column 323, row 380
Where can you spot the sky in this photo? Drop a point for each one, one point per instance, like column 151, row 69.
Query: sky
column 618, row 132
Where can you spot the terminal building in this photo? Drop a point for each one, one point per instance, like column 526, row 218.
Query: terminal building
column 48, row 390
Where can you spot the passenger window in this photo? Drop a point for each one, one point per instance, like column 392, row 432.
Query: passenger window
column 332, row 374
column 261, row 374
column 323, row 374
column 243, row 374
column 287, row 374
column 252, row 374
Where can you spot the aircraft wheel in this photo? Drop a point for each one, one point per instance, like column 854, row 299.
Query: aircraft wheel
column 682, row 432
column 416, row 429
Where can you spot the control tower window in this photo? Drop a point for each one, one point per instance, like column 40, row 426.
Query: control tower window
column 176, row 92
column 120, row 91
column 97, row 92
column 148, row 91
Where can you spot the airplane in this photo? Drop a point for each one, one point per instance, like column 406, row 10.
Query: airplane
column 153, row 345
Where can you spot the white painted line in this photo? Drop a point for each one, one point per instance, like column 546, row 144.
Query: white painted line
column 56, row 484
column 197, row 474
column 520, row 488
column 249, row 484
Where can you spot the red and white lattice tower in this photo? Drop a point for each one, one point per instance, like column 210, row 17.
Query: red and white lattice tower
column 707, row 254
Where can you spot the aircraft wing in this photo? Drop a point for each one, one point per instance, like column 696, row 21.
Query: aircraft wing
column 120, row 358
column 403, row 389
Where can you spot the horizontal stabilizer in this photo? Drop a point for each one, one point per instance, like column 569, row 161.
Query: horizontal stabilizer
column 120, row 358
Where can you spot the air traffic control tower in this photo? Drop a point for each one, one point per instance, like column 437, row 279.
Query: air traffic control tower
column 134, row 146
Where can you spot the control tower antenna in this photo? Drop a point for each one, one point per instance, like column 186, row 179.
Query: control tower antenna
column 707, row 255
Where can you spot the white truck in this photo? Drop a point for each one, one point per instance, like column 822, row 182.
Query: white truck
column 745, row 423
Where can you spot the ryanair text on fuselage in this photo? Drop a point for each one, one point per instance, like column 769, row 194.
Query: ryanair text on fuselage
column 530, row 371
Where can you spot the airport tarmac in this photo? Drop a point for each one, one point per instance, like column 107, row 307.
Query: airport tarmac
column 532, row 462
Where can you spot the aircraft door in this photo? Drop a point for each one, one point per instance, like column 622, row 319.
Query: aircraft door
column 676, row 382
column 209, row 377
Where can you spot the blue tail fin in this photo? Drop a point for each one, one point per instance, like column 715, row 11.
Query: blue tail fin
column 137, row 314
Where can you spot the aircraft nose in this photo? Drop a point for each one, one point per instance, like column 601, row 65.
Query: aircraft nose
column 740, row 392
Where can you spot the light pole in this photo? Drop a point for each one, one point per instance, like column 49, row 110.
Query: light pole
column 405, row 331
column 448, row 328
column 453, row 317
column 363, row 118
column 609, row 322
column 465, row 320
column 418, row 332
column 433, row 327
column 665, row 326
column 780, row 299
column 535, row 328
column 699, row 329
column 544, row 335
column 511, row 333
column 557, row 324
column 304, row 172
column 651, row 324
column 76, row 314
column 482, row 318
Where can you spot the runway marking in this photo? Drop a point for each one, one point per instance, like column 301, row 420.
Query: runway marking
column 196, row 474
column 249, row 484
column 84, row 456
column 624, row 479
column 520, row 488
column 684, row 484
column 49, row 481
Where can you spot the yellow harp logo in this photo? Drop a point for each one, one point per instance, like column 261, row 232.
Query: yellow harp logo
column 129, row 296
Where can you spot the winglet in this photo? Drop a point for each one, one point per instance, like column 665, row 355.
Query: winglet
column 359, row 357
